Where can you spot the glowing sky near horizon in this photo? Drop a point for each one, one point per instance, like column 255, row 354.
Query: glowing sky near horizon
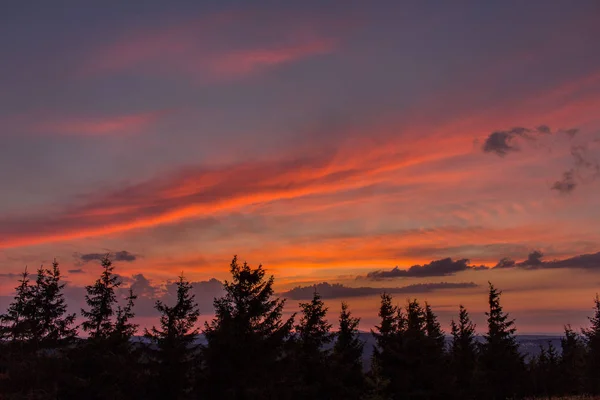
column 325, row 140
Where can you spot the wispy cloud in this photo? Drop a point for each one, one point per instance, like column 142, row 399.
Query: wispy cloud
column 443, row 267
column 338, row 291
column 585, row 156
column 213, row 47
column 122, row 255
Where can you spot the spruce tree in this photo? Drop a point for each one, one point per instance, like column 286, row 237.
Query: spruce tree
column 387, row 378
column 592, row 339
column 55, row 326
column 174, row 352
column 572, row 363
column 106, row 362
column 501, row 363
column 101, row 300
column 244, row 355
column 15, row 324
column 434, row 357
column 347, row 357
column 124, row 328
column 463, row 354
column 313, row 333
column 417, row 353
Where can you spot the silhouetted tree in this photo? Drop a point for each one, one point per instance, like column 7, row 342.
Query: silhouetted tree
column 435, row 357
column 124, row 328
column 54, row 325
column 417, row 352
column 15, row 324
column 592, row 339
column 463, row 355
column 244, row 356
column 347, row 357
column 311, row 359
column 501, row 363
column 386, row 377
column 572, row 363
column 545, row 373
column 174, row 353
column 101, row 300
column 106, row 364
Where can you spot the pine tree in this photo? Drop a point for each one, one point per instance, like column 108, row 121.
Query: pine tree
column 501, row 362
column 463, row 354
column 101, row 299
column 592, row 339
column 311, row 359
column 15, row 324
column 347, row 357
column 174, row 354
column 572, row 363
column 246, row 339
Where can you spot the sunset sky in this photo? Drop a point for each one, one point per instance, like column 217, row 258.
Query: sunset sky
column 328, row 141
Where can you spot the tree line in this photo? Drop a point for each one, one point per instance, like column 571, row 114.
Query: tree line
column 252, row 352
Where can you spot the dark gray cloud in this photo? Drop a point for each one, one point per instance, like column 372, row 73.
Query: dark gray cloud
column 122, row 255
column 76, row 271
column 535, row 261
column 504, row 142
column 567, row 184
column 505, row 263
column 585, row 162
column 443, row 267
column 337, row 291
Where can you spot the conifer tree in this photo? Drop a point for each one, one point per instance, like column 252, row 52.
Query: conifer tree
column 15, row 324
column 101, row 300
column 174, row 354
column 463, row 354
column 54, row 324
column 347, row 357
column 106, row 363
column 572, row 363
column 434, row 330
column 246, row 339
column 124, row 328
column 592, row 339
column 417, row 352
column 386, row 365
column 310, row 357
column 501, row 361
column 434, row 355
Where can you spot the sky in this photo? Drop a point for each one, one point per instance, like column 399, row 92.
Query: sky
column 424, row 148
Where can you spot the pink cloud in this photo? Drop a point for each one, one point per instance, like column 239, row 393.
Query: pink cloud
column 99, row 126
column 212, row 48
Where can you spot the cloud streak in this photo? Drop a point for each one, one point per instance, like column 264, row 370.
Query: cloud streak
column 443, row 267
column 122, row 255
column 339, row 291
column 213, row 47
